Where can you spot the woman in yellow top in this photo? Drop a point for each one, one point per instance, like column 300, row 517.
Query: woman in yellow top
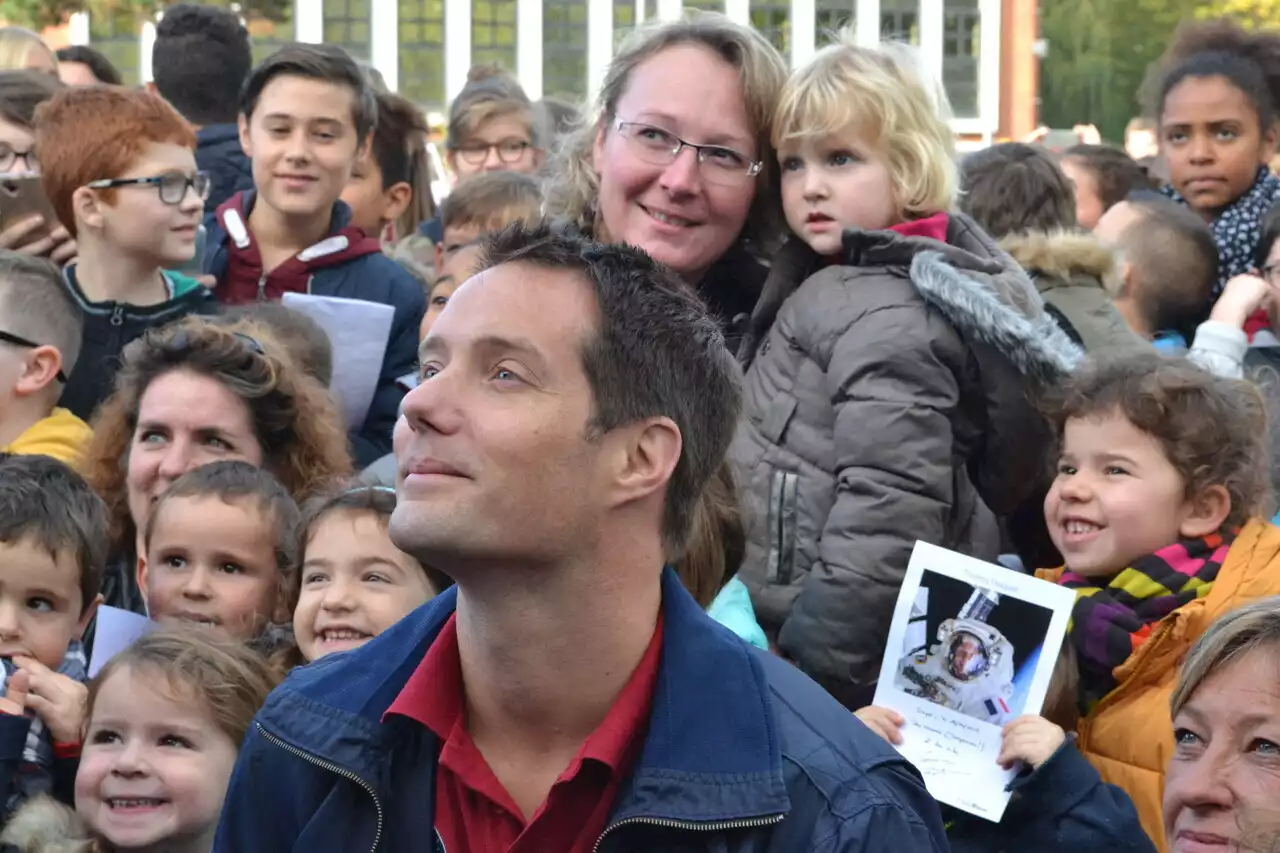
column 1161, row 479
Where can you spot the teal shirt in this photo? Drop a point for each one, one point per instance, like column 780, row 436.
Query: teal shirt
column 732, row 609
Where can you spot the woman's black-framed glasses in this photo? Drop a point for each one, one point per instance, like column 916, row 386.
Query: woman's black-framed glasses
column 23, row 342
column 172, row 186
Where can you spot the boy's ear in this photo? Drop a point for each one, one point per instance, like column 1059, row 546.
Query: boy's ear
column 1206, row 513
column 242, row 124
column 87, row 616
column 42, row 367
column 142, row 571
column 88, row 207
column 439, row 250
column 396, row 198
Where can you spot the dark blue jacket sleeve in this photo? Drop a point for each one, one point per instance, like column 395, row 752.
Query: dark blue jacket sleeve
column 1072, row 809
column 13, row 737
column 373, row 439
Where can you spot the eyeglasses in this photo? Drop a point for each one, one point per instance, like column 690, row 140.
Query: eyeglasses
column 509, row 151
column 23, row 342
column 716, row 163
column 172, row 186
column 9, row 158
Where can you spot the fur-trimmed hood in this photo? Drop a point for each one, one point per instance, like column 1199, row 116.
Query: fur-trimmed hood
column 1064, row 255
column 986, row 297
column 44, row 825
column 1078, row 278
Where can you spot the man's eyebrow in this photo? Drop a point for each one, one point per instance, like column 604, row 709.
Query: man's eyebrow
column 496, row 343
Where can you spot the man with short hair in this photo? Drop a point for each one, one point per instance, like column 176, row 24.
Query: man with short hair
column 568, row 695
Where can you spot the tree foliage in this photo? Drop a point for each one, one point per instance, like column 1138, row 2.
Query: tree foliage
column 1255, row 14
column 47, row 13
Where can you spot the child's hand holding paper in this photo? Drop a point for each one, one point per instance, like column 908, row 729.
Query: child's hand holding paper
column 883, row 722
column 1032, row 740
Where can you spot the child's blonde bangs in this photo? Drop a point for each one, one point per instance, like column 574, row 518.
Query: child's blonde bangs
column 879, row 94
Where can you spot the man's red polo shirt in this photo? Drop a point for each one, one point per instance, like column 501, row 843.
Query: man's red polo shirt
column 474, row 812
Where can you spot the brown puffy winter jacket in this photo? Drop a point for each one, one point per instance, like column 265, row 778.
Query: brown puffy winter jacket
column 887, row 401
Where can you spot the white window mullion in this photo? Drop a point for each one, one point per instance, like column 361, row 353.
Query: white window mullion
column 529, row 47
column 457, row 46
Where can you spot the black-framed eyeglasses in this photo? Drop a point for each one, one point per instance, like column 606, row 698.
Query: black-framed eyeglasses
column 172, row 186
column 23, row 342
column 9, row 157
column 716, row 163
column 509, row 151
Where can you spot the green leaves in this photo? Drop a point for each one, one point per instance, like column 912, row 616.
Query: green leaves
column 47, row 13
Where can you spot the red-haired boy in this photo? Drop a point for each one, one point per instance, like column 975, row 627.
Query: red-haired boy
column 119, row 168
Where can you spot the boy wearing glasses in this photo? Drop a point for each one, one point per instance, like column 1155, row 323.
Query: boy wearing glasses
column 306, row 118
column 40, row 332
column 119, row 169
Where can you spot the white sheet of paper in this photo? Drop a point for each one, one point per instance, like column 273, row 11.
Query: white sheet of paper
column 116, row 629
column 358, row 332
column 971, row 679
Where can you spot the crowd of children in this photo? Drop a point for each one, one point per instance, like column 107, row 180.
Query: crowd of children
column 1044, row 359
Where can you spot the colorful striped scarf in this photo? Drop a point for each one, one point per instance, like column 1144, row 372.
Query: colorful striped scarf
column 1110, row 623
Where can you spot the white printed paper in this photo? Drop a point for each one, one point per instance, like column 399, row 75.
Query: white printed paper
column 972, row 647
column 115, row 631
column 358, row 332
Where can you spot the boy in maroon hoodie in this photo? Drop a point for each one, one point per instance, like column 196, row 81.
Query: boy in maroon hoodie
column 306, row 118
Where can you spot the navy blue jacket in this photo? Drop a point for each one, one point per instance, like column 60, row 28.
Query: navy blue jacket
column 1062, row 807
column 218, row 152
column 744, row 754
column 370, row 276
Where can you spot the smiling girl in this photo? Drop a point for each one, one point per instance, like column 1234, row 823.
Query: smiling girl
column 1216, row 107
column 1161, row 477
column 865, row 416
column 354, row 582
column 165, row 720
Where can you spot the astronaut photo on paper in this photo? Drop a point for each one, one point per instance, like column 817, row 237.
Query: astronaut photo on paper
column 970, row 649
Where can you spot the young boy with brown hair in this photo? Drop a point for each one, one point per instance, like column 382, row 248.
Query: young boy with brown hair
column 53, row 551
column 40, row 332
column 488, row 202
column 382, row 187
column 119, row 168
column 307, row 113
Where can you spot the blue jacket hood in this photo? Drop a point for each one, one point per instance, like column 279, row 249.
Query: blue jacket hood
column 218, row 152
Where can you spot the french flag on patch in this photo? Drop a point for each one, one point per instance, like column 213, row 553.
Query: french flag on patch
column 993, row 710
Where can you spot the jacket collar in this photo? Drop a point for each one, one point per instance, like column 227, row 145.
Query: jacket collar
column 217, row 134
column 713, row 733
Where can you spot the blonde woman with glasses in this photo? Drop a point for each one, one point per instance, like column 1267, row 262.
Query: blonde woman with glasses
column 676, row 159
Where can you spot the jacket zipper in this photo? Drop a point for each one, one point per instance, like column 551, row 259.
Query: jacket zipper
column 713, row 826
column 332, row 768
column 262, row 288
column 117, row 316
